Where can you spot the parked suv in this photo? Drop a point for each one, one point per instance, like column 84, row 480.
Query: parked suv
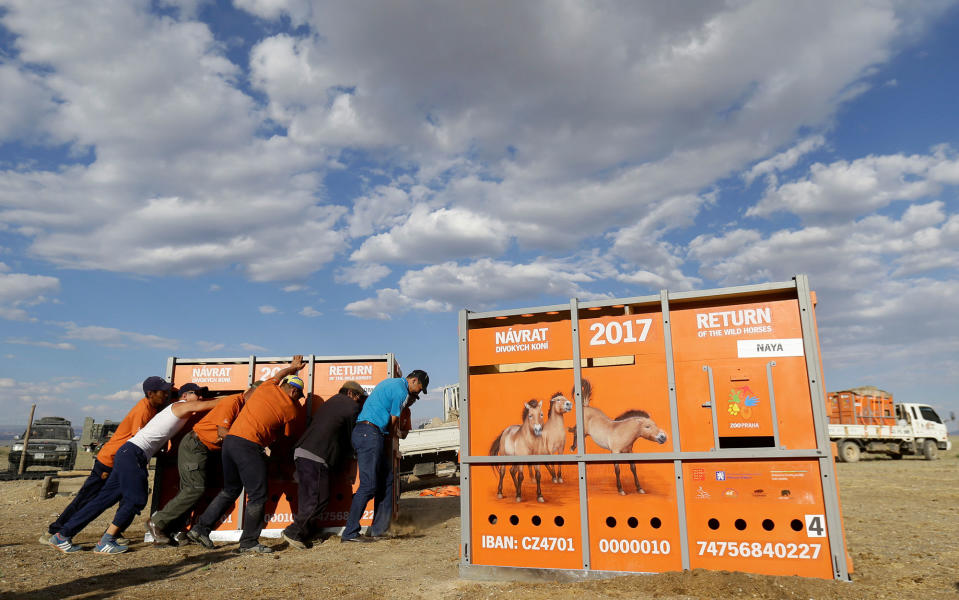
column 51, row 444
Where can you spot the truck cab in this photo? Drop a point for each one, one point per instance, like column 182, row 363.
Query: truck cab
column 927, row 428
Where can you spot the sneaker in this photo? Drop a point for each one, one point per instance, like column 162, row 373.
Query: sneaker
column 63, row 544
column 258, row 549
column 200, row 538
column 110, row 548
column 45, row 539
column 293, row 541
column 122, row 541
column 159, row 538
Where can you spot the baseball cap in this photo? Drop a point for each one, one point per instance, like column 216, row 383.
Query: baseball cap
column 156, row 384
column 202, row 392
column 294, row 381
column 420, row 376
column 352, row 385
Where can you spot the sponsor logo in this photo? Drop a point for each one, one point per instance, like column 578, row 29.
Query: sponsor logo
column 760, row 493
column 741, row 401
column 730, row 493
column 720, row 475
column 785, row 494
column 699, row 474
column 702, row 494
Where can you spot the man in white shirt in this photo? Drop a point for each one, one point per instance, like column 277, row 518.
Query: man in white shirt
column 127, row 483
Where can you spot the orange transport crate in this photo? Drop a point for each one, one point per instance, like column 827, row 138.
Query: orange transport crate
column 650, row 434
column 323, row 376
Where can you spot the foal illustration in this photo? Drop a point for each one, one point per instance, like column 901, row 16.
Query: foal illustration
column 554, row 432
column 618, row 435
column 525, row 438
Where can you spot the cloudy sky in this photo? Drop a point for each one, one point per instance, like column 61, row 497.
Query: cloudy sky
column 215, row 178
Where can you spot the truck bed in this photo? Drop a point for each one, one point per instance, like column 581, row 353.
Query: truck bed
column 431, row 440
column 878, row 432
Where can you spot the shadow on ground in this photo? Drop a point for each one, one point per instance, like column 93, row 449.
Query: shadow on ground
column 106, row 585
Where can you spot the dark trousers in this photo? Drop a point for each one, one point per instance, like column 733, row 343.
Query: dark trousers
column 90, row 488
column 127, row 484
column 375, row 467
column 244, row 467
column 192, row 459
column 313, row 494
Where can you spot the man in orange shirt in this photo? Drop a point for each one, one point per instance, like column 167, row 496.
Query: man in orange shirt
column 273, row 410
column 196, row 448
column 157, row 393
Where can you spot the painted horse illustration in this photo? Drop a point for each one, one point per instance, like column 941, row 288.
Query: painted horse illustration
column 554, row 432
column 525, row 438
column 618, row 435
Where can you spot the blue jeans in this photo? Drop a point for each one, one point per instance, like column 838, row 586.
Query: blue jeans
column 375, row 467
column 127, row 485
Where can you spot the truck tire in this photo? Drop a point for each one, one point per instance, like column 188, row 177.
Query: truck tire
column 896, row 456
column 849, row 451
column 930, row 450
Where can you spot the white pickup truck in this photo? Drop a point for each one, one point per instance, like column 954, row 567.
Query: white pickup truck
column 918, row 431
column 433, row 451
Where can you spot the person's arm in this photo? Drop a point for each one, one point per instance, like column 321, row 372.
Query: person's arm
column 294, row 367
column 185, row 409
column 221, row 431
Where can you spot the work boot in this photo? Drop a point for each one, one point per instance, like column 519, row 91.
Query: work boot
column 200, row 538
column 159, row 538
column 293, row 541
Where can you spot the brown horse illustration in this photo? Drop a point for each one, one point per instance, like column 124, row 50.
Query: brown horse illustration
column 525, row 438
column 554, row 432
column 618, row 435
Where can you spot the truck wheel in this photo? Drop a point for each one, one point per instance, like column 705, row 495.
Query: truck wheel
column 896, row 456
column 930, row 450
column 849, row 451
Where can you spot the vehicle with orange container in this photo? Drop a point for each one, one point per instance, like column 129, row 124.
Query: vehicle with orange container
column 865, row 419
column 697, row 437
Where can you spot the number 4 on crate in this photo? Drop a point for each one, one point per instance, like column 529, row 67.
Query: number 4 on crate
column 815, row 526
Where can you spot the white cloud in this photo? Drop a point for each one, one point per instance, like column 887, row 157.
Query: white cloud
column 294, row 288
column 252, row 347
column 25, row 104
column 54, row 396
column 363, row 274
column 309, row 311
column 854, row 188
column 210, row 346
column 390, row 302
column 450, row 233
column 20, row 289
column 214, row 287
column 266, row 309
column 112, row 337
column 41, row 344
column 483, row 283
column 784, row 160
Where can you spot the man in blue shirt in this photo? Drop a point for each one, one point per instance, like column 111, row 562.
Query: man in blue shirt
column 371, row 440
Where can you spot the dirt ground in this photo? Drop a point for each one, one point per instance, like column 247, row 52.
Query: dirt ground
column 901, row 519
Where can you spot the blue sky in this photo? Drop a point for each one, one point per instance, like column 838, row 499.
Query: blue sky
column 199, row 178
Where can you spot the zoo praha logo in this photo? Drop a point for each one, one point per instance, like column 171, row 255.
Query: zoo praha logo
column 522, row 340
column 741, row 402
